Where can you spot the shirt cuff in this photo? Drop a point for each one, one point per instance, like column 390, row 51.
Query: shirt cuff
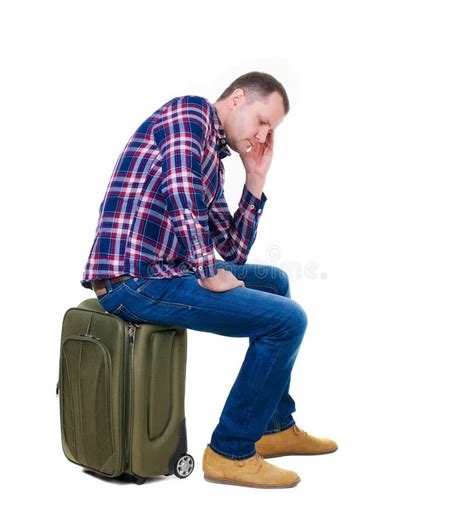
column 249, row 203
column 205, row 269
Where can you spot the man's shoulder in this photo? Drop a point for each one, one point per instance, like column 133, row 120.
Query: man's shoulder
column 192, row 110
column 188, row 103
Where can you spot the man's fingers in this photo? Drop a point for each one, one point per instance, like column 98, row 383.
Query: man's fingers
column 269, row 143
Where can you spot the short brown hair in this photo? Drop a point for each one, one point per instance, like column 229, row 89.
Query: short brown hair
column 257, row 85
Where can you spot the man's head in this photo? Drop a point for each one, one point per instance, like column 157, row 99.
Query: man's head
column 250, row 108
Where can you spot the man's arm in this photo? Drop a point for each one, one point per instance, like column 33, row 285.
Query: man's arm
column 180, row 135
column 234, row 235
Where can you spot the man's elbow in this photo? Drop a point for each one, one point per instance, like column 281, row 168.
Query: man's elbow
column 234, row 256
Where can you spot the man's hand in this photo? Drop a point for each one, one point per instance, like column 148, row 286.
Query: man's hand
column 257, row 163
column 222, row 281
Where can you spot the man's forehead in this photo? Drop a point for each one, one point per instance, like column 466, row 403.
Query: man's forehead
column 271, row 112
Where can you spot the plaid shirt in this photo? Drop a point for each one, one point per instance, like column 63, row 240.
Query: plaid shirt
column 164, row 210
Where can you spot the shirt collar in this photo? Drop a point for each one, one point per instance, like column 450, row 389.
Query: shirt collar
column 223, row 148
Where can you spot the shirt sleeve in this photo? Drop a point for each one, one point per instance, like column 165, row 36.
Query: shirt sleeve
column 233, row 236
column 180, row 135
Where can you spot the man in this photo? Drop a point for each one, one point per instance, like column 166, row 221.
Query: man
column 153, row 260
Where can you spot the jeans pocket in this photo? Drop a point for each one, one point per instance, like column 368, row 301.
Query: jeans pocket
column 107, row 297
column 122, row 312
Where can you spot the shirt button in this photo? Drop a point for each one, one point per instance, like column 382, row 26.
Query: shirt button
column 223, row 141
column 259, row 210
column 200, row 267
column 194, row 269
column 252, row 206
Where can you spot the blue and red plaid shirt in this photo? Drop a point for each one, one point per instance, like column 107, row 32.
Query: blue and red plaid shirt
column 164, row 210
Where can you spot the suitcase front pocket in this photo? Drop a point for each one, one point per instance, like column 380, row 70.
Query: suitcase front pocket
column 86, row 404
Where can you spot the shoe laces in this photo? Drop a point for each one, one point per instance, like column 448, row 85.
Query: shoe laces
column 299, row 431
column 259, row 461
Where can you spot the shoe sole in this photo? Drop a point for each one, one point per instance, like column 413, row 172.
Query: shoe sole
column 237, row 483
column 296, row 454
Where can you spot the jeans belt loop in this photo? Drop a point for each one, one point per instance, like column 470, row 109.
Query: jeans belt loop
column 108, row 285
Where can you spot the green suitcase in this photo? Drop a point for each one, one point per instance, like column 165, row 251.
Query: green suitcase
column 121, row 393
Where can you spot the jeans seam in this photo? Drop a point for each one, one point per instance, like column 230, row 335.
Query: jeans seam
column 156, row 301
column 143, row 286
column 121, row 307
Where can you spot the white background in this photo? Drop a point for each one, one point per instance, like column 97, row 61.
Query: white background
column 371, row 184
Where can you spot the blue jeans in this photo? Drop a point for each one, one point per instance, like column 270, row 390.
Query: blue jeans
column 259, row 401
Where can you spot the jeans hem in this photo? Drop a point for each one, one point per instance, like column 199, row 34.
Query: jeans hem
column 289, row 425
column 227, row 455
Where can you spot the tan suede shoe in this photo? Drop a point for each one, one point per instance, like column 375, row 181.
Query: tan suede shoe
column 293, row 441
column 252, row 472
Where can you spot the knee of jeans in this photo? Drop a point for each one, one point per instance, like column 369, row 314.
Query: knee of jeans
column 282, row 281
column 296, row 317
column 302, row 317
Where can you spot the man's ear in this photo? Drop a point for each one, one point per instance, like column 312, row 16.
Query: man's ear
column 236, row 98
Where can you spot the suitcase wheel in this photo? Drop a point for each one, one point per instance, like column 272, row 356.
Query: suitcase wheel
column 140, row 480
column 184, row 467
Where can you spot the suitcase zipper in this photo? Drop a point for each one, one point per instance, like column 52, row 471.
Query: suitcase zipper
column 132, row 328
column 131, row 335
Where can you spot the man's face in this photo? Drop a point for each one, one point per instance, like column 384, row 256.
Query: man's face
column 249, row 123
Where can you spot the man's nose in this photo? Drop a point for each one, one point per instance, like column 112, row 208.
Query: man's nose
column 261, row 136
